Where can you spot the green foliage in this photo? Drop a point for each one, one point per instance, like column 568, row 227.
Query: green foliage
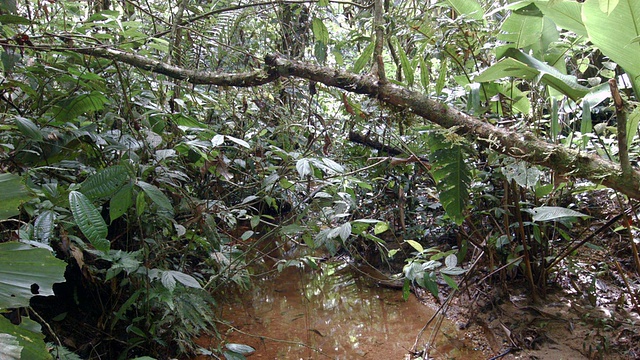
column 452, row 175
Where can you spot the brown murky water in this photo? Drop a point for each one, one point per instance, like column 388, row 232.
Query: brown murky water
column 333, row 313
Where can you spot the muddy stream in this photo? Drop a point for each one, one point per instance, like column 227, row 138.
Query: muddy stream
column 331, row 313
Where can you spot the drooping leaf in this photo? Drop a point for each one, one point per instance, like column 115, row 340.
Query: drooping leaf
column 520, row 65
column 105, row 183
column 12, row 194
column 320, row 31
column 28, row 128
column 548, row 213
column 121, row 202
column 407, row 69
column 89, row 220
column 25, row 272
column 364, row 58
column 452, row 283
column 633, row 122
column 157, row 196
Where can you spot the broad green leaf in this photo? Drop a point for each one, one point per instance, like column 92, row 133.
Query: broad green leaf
column 566, row 14
column 74, row 106
column 25, row 272
column 429, row 284
column 12, row 194
column 28, row 128
column 614, row 34
column 521, row 31
column 157, row 196
column 518, row 64
column 20, row 340
column 381, row 226
column 416, row 245
column 364, row 58
column 607, row 6
column 105, row 183
column 89, row 220
column 320, row 31
column 469, row 8
column 121, row 202
column 548, row 213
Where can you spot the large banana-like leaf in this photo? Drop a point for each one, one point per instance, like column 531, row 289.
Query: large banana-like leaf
column 520, row 65
column 89, row 220
column 616, row 34
column 105, row 183
column 26, row 271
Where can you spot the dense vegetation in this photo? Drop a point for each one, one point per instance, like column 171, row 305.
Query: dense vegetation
column 152, row 152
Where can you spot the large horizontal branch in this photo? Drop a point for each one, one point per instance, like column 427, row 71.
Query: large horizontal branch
column 248, row 79
column 522, row 146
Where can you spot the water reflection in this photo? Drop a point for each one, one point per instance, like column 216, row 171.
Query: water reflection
column 332, row 313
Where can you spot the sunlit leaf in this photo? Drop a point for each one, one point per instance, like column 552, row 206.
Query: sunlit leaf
column 416, row 245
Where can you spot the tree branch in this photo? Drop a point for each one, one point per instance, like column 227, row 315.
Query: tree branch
column 524, row 146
